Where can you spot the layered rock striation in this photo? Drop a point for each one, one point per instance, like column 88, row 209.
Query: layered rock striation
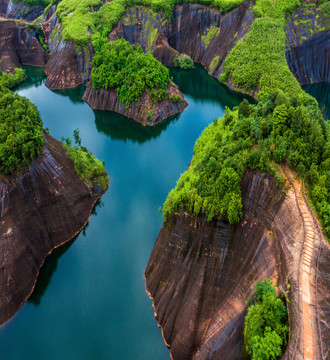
column 201, row 274
column 18, row 47
column 144, row 111
column 41, row 209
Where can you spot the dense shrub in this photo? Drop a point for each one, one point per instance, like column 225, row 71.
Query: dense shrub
column 126, row 68
column 266, row 324
column 183, row 61
column 253, row 136
column 21, row 135
column 86, row 164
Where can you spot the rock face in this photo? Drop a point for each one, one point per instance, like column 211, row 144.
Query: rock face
column 108, row 100
column 308, row 46
column 14, row 10
column 185, row 32
column 200, row 274
column 40, row 209
column 19, row 47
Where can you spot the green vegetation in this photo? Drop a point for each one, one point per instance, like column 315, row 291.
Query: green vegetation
column 258, row 60
column 126, row 68
column 21, row 135
column 90, row 169
column 276, row 130
column 214, row 63
column 184, row 61
column 11, row 80
column 34, row 2
column 80, row 17
column 212, row 32
column 266, row 324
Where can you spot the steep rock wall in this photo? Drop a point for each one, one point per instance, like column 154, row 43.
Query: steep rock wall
column 19, row 47
column 108, row 100
column 40, row 209
column 185, row 32
column 200, row 274
column 14, row 10
column 308, row 45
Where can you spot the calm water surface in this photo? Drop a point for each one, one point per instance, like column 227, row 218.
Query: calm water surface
column 90, row 301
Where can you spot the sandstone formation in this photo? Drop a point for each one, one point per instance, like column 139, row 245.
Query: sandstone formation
column 41, row 209
column 144, row 111
column 200, row 274
column 19, row 47
column 14, row 10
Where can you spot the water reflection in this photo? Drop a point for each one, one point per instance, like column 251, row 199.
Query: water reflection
column 321, row 92
column 119, row 127
column 198, row 84
column 50, row 265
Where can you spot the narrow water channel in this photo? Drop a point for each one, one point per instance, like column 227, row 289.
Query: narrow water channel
column 90, row 300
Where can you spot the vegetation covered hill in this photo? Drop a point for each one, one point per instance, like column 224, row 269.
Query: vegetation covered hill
column 285, row 126
column 126, row 68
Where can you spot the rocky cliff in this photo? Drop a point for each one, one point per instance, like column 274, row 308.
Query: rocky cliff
column 144, row 111
column 18, row 47
column 200, row 274
column 41, row 209
column 308, row 46
column 14, row 10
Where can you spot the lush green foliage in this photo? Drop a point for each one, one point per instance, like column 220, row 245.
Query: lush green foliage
column 266, row 324
column 10, row 80
column 212, row 32
column 278, row 8
column 34, row 2
column 258, row 60
column 86, row 164
column 253, row 136
column 21, row 135
column 184, row 61
column 126, row 68
column 79, row 16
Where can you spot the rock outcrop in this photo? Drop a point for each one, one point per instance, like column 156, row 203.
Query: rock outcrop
column 19, row 47
column 18, row 10
column 308, row 46
column 200, row 274
column 41, row 209
column 144, row 111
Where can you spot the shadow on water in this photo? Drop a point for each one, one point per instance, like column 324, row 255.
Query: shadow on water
column 119, row 127
column 50, row 265
column 35, row 77
column 74, row 95
column 198, row 84
column 321, row 92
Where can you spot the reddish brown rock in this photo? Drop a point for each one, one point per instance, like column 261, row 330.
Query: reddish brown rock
column 108, row 100
column 200, row 274
column 19, row 47
column 40, row 209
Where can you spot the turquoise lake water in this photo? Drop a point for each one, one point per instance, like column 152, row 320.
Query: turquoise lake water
column 90, row 300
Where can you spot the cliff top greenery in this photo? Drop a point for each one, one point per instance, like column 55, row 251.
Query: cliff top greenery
column 125, row 67
column 79, row 17
column 266, row 323
column 21, row 134
column 90, row 169
column 277, row 130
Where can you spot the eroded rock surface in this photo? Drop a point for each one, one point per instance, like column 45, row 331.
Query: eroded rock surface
column 200, row 274
column 40, row 209
column 19, row 47
column 108, row 100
